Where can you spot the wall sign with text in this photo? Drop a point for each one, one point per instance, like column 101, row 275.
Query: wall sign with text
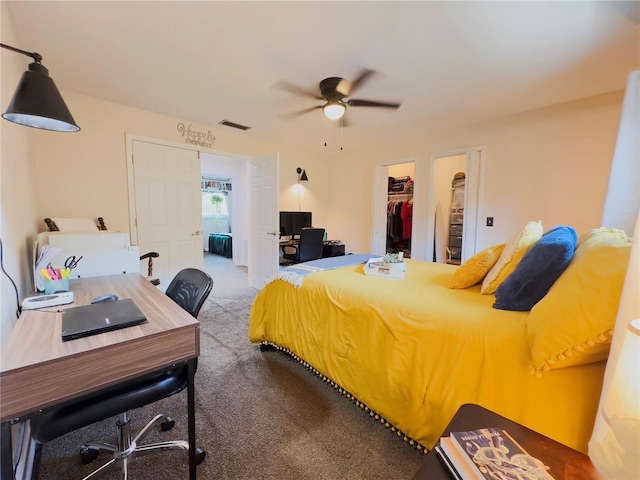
column 196, row 137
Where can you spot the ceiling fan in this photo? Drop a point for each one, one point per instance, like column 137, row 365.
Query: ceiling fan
column 334, row 92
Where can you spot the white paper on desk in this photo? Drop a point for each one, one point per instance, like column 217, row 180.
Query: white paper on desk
column 47, row 254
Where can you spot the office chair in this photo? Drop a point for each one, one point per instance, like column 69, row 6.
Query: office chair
column 189, row 289
column 309, row 247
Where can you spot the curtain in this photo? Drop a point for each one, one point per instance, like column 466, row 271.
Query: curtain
column 616, row 452
column 615, row 449
column 623, row 195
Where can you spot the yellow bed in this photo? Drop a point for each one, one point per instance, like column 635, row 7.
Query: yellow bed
column 412, row 351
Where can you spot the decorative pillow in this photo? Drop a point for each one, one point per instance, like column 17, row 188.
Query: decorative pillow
column 511, row 256
column 474, row 270
column 75, row 225
column 537, row 271
column 573, row 323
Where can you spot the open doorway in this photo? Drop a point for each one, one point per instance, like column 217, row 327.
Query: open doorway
column 448, row 192
column 454, row 204
column 393, row 182
column 217, row 228
column 400, row 183
column 224, row 191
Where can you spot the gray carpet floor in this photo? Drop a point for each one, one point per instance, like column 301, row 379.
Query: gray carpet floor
column 258, row 415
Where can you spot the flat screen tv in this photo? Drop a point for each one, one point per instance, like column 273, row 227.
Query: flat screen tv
column 292, row 222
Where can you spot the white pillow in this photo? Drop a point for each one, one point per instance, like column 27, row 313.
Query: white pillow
column 510, row 256
column 75, row 225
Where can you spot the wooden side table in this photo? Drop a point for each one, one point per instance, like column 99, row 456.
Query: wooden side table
column 564, row 462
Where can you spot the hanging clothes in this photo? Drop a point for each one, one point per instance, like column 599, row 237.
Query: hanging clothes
column 394, row 220
column 406, row 215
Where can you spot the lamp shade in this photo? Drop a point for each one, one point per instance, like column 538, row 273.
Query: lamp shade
column 302, row 175
column 37, row 103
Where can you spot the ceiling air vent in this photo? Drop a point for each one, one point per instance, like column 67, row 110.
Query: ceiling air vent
column 234, row 125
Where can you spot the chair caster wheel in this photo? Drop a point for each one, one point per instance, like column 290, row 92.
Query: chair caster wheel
column 200, row 454
column 88, row 455
column 168, row 424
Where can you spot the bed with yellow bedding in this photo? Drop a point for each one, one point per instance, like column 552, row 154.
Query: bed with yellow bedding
column 412, row 351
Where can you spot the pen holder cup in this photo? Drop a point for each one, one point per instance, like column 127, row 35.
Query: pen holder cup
column 53, row 286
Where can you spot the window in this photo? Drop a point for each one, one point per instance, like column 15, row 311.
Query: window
column 215, row 204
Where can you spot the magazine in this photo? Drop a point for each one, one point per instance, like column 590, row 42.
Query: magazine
column 491, row 454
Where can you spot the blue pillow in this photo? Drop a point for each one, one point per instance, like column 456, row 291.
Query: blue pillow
column 539, row 268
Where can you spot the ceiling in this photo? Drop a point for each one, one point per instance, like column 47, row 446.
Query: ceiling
column 450, row 63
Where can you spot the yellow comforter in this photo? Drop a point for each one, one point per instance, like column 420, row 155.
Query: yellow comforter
column 413, row 351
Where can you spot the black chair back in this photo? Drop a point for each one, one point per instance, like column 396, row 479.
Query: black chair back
column 311, row 244
column 189, row 289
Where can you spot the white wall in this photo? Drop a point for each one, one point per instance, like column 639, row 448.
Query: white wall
column 93, row 160
column 549, row 164
column 17, row 190
column 402, row 170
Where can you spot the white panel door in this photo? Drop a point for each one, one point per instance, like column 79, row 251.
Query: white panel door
column 379, row 222
column 263, row 250
column 168, row 207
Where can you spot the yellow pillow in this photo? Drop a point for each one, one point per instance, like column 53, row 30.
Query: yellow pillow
column 511, row 255
column 474, row 270
column 573, row 323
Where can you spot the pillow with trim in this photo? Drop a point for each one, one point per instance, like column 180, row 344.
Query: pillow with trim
column 472, row 271
column 539, row 268
column 573, row 323
column 511, row 256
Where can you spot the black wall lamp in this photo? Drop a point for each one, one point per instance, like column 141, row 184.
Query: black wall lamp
column 37, row 102
column 302, row 175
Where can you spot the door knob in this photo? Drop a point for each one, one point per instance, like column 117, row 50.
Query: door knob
column 272, row 233
column 196, row 233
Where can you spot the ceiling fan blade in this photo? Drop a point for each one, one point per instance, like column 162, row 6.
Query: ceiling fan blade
column 289, row 116
column 361, row 79
column 371, row 103
column 289, row 87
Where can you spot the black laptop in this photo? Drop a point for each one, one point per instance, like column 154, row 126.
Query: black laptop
column 79, row 322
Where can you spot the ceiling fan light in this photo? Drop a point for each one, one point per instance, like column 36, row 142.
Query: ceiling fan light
column 334, row 110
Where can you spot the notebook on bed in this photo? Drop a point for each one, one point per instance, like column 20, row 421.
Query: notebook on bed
column 79, row 322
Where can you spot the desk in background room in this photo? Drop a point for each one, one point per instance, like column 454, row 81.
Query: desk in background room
column 38, row 370
column 330, row 248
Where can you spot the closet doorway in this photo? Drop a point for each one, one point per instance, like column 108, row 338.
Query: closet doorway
column 390, row 182
column 453, row 208
column 400, row 185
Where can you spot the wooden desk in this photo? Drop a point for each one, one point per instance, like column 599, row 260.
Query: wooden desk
column 565, row 463
column 38, row 370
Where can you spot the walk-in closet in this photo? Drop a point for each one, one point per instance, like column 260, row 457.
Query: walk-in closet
column 400, row 209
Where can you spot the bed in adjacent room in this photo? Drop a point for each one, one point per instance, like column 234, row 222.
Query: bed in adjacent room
column 411, row 351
